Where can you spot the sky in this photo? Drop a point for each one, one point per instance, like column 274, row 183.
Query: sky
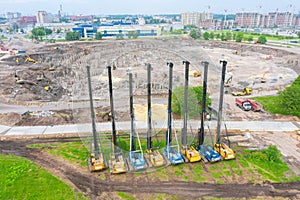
column 101, row 7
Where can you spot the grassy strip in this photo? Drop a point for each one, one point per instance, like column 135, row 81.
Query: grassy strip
column 125, row 196
column 254, row 162
column 22, row 179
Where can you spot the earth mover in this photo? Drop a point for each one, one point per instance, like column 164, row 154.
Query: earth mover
column 246, row 91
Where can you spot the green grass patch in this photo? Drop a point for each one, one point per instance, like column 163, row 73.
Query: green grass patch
column 22, row 179
column 268, row 164
column 125, row 196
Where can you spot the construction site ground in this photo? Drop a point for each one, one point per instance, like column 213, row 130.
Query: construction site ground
column 63, row 65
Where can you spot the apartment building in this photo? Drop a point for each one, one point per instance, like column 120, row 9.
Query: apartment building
column 197, row 19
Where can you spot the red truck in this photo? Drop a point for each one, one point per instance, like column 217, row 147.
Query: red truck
column 4, row 49
column 255, row 106
column 244, row 104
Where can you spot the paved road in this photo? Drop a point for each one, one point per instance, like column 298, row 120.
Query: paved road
column 273, row 126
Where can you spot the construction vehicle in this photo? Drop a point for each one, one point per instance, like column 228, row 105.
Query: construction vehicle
column 52, row 67
column 205, row 151
column 246, row 91
column 197, row 74
column 209, row 153
column 18, row 79
column 154, row 156
column 41, row 76
column 225, row 151
column 29, row 59
column 263, row 79
column 244, row 104
column 117, row 162
column 228, row 80
column 189, row 152
column 255, row 106
column 171, row 151
column 135, row 157
column 96, row 161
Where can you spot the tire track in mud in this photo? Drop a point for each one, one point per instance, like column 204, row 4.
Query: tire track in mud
column 92, row 187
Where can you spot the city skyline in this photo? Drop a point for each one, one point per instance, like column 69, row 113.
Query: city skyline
column 100, row 7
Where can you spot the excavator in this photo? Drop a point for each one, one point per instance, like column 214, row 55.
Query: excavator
column 96, row 161
column 29, row 59
column 135, row 157
column 171, row 152
column 225, row 151
column 246, row 91
column 187, row 151
column 117, row 162
column 154, row 156
column 18, row 79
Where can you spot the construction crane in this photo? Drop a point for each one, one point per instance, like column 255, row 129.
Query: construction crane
column 96, row 161
column 171, row 152
column 117, row 162
column 225, row 151
column 189, row 152
column 135, row 157
column 205, row 151
column 154, row 156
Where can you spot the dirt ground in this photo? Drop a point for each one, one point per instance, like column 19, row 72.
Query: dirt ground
column 143, row 187
column 63, row 67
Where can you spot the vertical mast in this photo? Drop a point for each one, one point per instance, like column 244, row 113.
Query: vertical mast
column 149, row 139
column 96, row 147
column 114, row 135
column 201, row 131
column 132, row 132
column 169, row 131
column 224, row 63
column 185, row 104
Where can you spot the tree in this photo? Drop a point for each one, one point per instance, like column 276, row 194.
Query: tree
column 132, row 34
column 195, row 33
column 120, row 36
column 298, row 34
column 1, row 30
column 222, row 36
column 290, row 98
column 58, row 31
column 262, row 39
column 206, row 36
column 250, row 38
column 194, row 101
column 211, row 35
column 98, row 36
column 239, row 36
column 273, row 154
column 228, row 36
column 38, row 33
column 71, row 36
column 218, row 35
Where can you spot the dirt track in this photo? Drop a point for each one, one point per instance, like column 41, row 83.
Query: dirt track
column 96, row 188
